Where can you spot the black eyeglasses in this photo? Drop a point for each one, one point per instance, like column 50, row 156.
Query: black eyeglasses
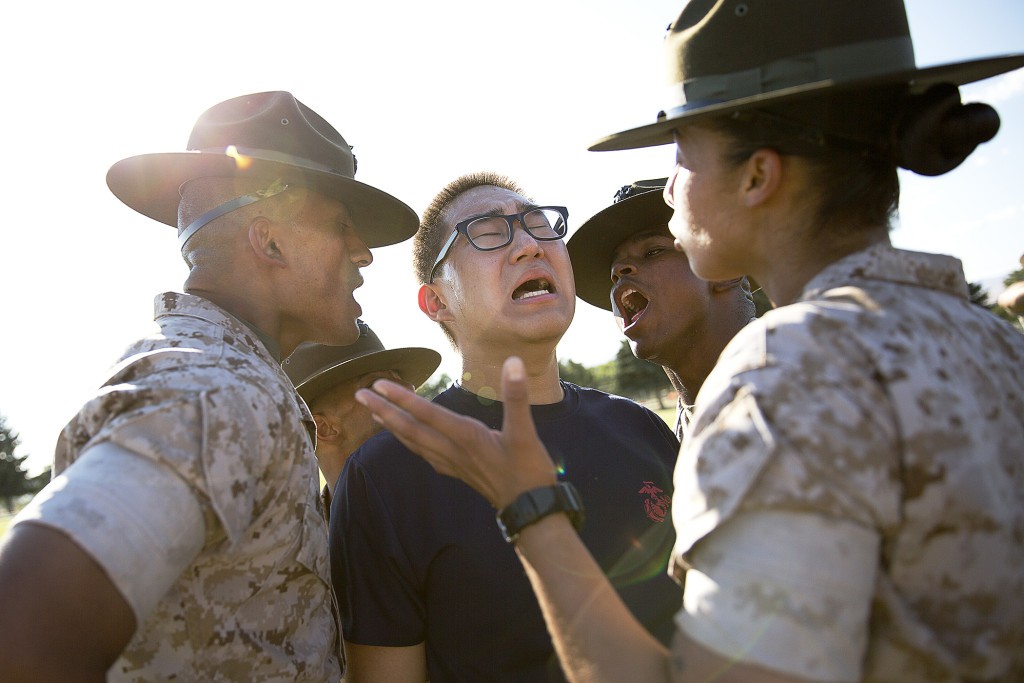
column 490, row 232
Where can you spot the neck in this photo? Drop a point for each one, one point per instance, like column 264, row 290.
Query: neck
column 687, row 384
column 678, row 384
column 785, row 273
column 245, row 307
column 482, row 375
column 331, row 461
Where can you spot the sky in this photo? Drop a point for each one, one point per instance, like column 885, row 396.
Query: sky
column 424, row 92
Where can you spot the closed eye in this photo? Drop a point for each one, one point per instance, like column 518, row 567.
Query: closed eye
column 653, row 251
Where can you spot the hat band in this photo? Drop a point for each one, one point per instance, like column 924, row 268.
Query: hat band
column 226, row 207
column 243, row 158
column 843, row 63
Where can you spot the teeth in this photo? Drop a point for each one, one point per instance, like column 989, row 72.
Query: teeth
column 532, row 288
column 631, row 304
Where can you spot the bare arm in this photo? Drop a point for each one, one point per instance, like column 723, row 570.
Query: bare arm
column 62, row 618
column 372, row 664
column 595, row 635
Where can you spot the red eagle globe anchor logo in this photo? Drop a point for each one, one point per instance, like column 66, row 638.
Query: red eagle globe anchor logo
column 657, row 504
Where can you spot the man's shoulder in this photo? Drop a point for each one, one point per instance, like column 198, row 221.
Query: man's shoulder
column 190, row 350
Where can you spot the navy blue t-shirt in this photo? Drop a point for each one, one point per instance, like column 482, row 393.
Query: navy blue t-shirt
column 417, row 556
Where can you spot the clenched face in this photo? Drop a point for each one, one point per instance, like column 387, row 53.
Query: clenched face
column 523, row 291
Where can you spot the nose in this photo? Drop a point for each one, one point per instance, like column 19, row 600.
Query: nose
column 523, row 244
column 620, row 269
column 358, row 252
column 667, row 193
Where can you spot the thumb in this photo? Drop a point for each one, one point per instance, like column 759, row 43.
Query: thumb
column 516, row 397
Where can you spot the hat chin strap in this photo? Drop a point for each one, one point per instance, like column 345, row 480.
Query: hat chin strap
column 216, row 212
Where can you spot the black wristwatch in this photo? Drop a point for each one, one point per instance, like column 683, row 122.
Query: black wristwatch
column 536, row 504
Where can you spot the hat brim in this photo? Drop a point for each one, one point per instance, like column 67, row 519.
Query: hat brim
column 151, row 183
column 593, row 243
column 413, row 364
column 959, row 73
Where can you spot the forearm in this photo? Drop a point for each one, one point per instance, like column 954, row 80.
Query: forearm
column 62, row 619
column 594, row 633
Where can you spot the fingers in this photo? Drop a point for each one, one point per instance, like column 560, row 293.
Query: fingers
column 499, row 465
column 410, row 418
column 518, row 432
column 516, row 398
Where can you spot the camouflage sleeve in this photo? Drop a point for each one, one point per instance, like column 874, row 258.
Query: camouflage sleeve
column 789, row 591
column 219, row 441
column 139, row 521
column 791, row 423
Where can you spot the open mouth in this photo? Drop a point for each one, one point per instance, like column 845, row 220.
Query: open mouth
column 532, row 288
column 631, row 304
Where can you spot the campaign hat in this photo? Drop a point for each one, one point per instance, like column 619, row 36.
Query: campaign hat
column 269, row 136
column 636, row 207
column 316, row 368
column 730, row 56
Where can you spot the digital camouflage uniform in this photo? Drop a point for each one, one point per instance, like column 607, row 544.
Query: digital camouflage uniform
column 885, row 401
column 206, row 399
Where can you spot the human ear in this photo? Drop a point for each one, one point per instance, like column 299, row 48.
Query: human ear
column 432, row 304
column 760, row 177
column 265, row 242
column 326, row 429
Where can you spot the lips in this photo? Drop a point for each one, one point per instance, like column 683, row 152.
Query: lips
column 630, row 303
column 533, row 287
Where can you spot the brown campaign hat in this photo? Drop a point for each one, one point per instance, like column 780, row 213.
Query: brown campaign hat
column 271, row 136
column 316, row 368
column 727, row 56
column 636, row 207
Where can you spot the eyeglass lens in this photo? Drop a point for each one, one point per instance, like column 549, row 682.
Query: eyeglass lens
column 492, row 232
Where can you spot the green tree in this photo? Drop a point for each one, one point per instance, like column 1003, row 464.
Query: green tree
column 636, row 379
column 577, row 373
column 430, row 389
column 14, row 480
column 978, row 295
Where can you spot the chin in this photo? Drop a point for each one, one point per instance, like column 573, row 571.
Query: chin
column 341, row 334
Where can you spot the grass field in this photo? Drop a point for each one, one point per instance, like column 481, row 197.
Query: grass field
column 5, row 519
column 668, row 415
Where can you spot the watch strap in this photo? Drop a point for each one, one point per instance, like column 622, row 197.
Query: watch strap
column 535, row 504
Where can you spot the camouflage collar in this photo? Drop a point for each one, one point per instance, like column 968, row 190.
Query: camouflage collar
column 884, row 262
column 176, row 303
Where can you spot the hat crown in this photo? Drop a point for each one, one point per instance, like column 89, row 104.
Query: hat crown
column 722, row 50
column 276, row 124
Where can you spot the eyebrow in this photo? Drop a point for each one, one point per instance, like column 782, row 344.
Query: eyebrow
column 498, row 211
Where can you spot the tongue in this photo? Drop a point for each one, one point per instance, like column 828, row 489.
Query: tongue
column 634, row 305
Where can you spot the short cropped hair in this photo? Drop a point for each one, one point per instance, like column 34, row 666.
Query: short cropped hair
column 433, row 232
column 202, row 194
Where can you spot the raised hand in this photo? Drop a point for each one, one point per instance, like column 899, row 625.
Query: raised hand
column 499, row 465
